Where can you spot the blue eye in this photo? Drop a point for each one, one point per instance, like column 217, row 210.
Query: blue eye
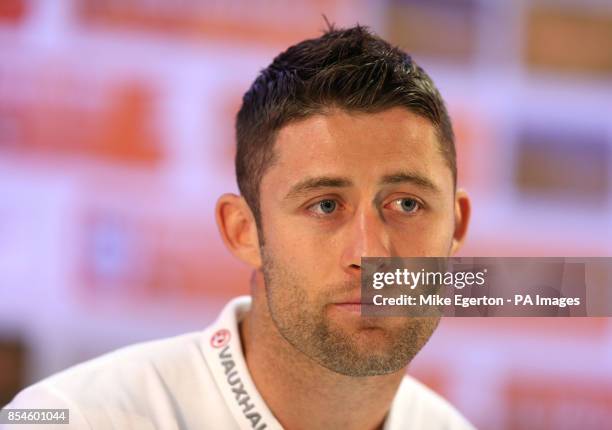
column 406, row 205
column 327, row 206
column 409, row 205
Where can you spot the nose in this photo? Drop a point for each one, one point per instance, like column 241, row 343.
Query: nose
column 366, row 236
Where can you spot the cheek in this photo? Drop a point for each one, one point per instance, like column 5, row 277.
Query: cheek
column 429, row 236
column 300, row 244
column 302, row 255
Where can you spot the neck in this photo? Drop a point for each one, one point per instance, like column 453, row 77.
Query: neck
column 300, row 392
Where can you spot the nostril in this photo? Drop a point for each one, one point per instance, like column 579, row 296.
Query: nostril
column 355, row 266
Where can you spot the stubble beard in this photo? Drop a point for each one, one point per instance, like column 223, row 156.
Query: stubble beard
column 307, row 327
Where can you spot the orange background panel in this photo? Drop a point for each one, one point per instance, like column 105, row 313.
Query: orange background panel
column 12, row 10
column 125, row 132
column 152, row 257
column 212, row 20
column 119, row 130
column 569, row 40
column 416, row 28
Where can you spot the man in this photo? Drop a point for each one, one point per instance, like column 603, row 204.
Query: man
column 345, row 150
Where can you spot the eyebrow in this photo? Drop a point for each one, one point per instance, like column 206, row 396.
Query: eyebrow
column 409, row 177
column 316, row 183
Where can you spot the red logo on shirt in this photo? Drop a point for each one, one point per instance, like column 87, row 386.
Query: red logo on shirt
column 220, row 338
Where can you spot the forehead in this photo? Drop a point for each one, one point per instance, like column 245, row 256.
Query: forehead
column 362, row 146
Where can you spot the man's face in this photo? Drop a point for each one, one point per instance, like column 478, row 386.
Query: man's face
column 345, row 186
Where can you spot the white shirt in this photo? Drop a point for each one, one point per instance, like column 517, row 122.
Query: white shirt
column 195, row 381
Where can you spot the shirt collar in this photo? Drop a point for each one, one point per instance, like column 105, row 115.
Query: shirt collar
column 222, row 349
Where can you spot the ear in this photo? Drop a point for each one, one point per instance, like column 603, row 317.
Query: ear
column 463, row 211
column 238, row 229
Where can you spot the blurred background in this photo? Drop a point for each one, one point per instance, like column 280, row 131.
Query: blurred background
column 116, row 138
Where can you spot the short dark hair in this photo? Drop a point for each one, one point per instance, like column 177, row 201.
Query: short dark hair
column 352, row 69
